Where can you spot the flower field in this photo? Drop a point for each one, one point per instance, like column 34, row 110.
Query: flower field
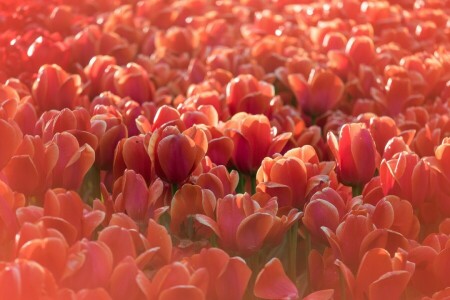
column 227, row 149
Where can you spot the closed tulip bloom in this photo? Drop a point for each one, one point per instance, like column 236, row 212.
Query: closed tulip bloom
column 320, row 92
column 355, row 154
column 54, row 88
column 176, row 154
column 253, row 141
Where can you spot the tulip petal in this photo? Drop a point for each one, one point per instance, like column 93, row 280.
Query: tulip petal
column 273, row 283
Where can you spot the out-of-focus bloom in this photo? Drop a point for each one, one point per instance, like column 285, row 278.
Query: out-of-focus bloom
column 133, row 81
column 54, row 88
column 15, row 278
column 355, row 154
column 320, row 92
column 9, row 224
column 253, row 140
column 11, row 137
column 273, row 283
column 228, row 276
column 176, row 154
column 94, row 264
column 65, row 210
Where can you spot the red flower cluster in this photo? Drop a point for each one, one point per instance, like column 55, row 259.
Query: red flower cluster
column 241, row 149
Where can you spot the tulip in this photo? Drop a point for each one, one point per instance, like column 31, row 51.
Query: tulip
column 228, row 276
column 66, row 208
column 355, row 154
column 73, row 161
column 15, row 278
column 11, row 137
column 388, row 277
column 133, row 81
column 54, row 88
column 253, row 141
column 246, row 94
column 320, row 92
column 175, row 155
column 188, row 201
column 273, row 283
column 94, row 263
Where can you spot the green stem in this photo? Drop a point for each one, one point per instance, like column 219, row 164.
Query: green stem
column 292, row 251
column 174, row 188
column 240, row 189
column 357, row 190
column 253, row 183
column 190, row 227
column 90, row 188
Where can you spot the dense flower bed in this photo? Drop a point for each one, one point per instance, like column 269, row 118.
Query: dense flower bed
column 224, row 149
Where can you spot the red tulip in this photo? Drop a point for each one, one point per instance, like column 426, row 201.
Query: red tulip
column 252, row 138
column 320, row 92
column 175, row 155
column 227, row 277
column 246, row 94
column 11, row 137
column 66, row 207
column 54, row 88
column 188, row 201
column 89, row 265
column 26, row 279
column 9, row 224
column 73, row 161
column 133, row 81
column 355, row 154
column 273, row 283
column 380, row 276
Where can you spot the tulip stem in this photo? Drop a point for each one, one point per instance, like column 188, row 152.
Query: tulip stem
column 342, row 286
column 253, row 181
column 240, row 189
column 357, row 190
column 90, row 188
column 292, row 249
column 174, row 188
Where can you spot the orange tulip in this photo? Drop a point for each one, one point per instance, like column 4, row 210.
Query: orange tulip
column 273, row 283
column 355, row 154
column 175, row 155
